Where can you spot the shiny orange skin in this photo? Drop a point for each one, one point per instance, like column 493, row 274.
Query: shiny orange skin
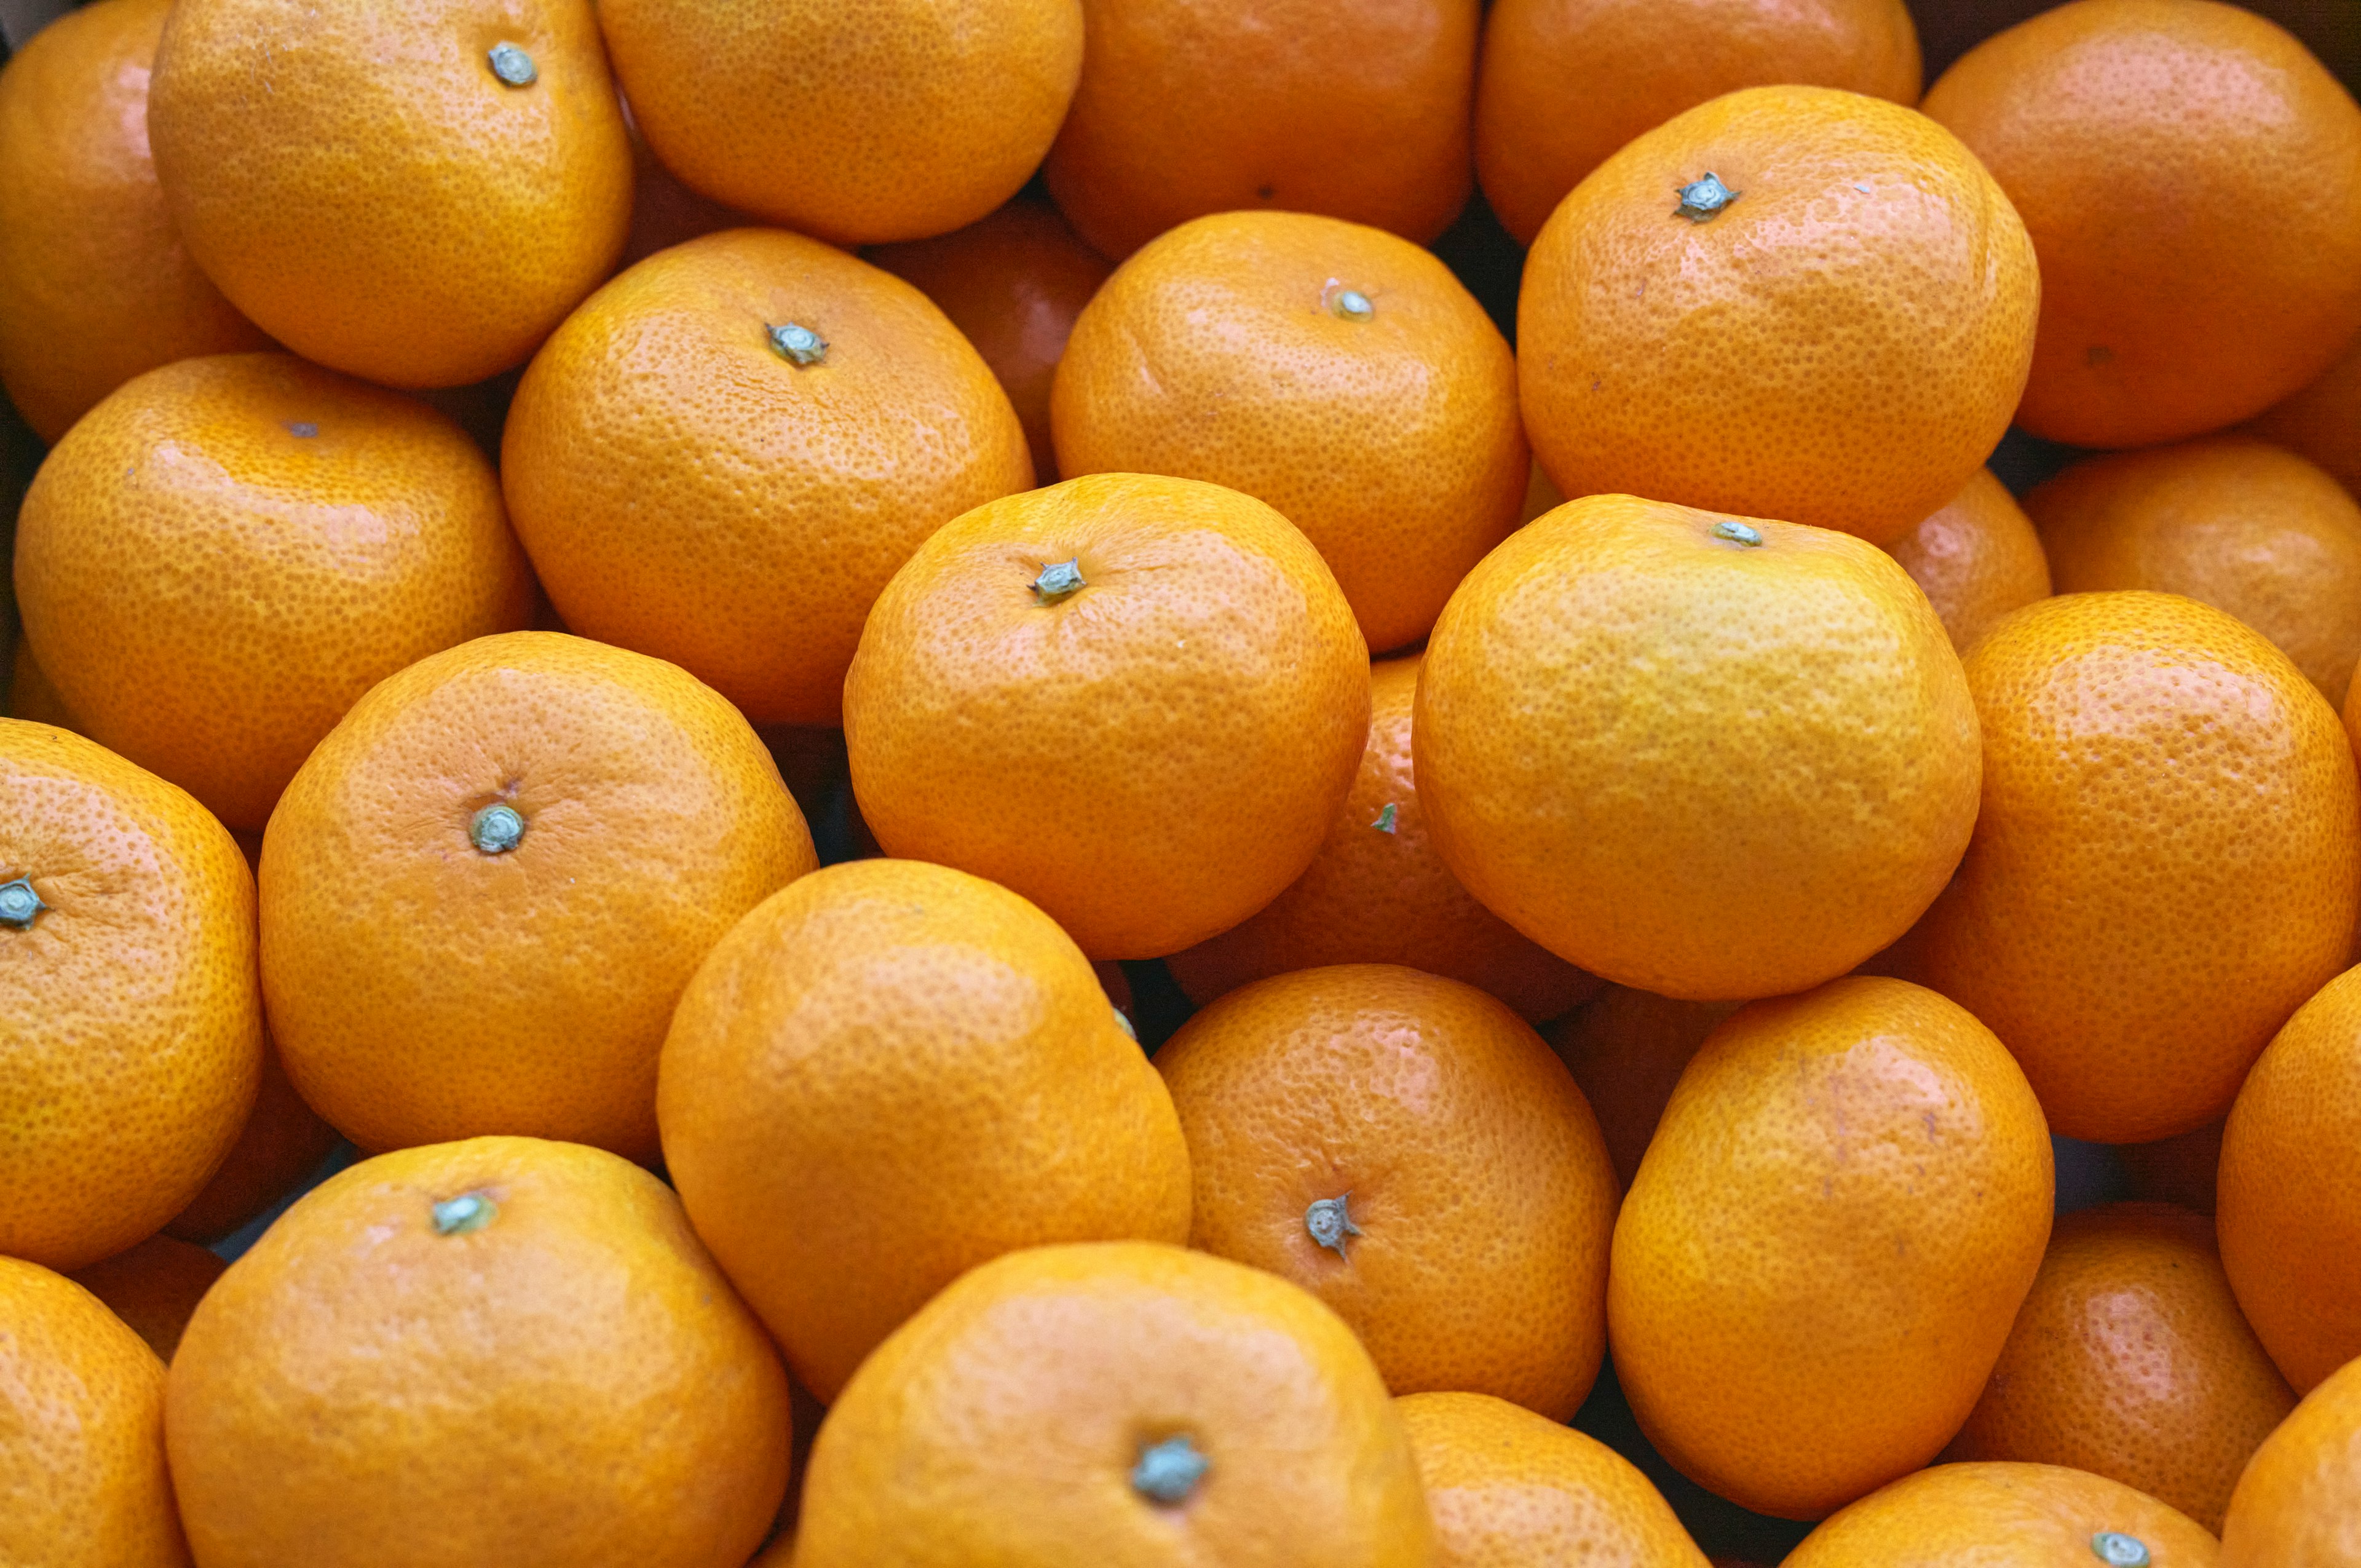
column 841, row 1185
column 30, row 694
column 1976, row 557
column 136, row 1017
column 578, row 1331
column 1564, row 84
column 284, row 1141
column 2000, row 1516
column 422, row 988
column 2320, row 420
column 1471, row 1168
column 1222, row 351
column 1150, row 759
column 154, row 1288
column 1842, row 344
column 95, row 286
column 1012, row 283
column 1509, row 1488
column 1817, row 1264
column 1704, row 768
column 1003, row 1423
column 2166, row 862
column 1379, row 894
column 1627, row 1049
column 210, row 588
column 2299, row 1504
column 2191, row 177
column 1185, row 109
column 2228, row 521
column 2130, row 1360
column 687, row 490
column 2177, row 1169
column 891, row 120
column 82, row 1407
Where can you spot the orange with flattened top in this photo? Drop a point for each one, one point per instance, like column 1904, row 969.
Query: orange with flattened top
column 1999, row 1515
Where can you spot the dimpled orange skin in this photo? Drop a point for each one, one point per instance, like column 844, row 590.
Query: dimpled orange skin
column 1886, row 1140
column 1222, row 351
column 2298, row 1503
column 82, row 1483
column 2230, row 522
column 570, row 1382
column 2167, row 863
column 843, row 1184
column 1976, row 557
column 1377, row 894
column 95, row 284
column 1700, row 767
column 1842, row 344
column 1626, row 1049
column 1564, row 84
column 136, row 1033
column 2130, row 1360
column 893, row 120
column 1003, row 1423
column 2001, row 1516
column 284, row 1141
column 422, row 988
column 1187, row 109
column 1471, row 1168
column 687, row 490
column 2191, row 177
column 1150, row 759
column 154, row 1288
column 2319, row 421
column 209, row 588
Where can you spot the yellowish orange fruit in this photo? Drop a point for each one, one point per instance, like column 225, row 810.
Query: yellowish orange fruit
column 2005, row 1515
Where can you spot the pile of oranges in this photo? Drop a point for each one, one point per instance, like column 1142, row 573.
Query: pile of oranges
column 527, row 482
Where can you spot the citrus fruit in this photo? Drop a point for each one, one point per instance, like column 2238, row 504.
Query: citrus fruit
column 1137, row 701
column 2177, row 1169
column 2319, row 421
column 283, row 1142
column 1377, row 893
column 1626, row 1049
column 893, row 120
column 225, row 553
column 501, row 1352
column 1336, row 371
column 1117, row 1402
column 1564, row 84
column 1817, row 1264
column 2005, row 1515
column 81, row 1406
column 2298, row 1503
column 31, row 695
column 154, row 1288
column 1976, row 557
column 94, row 285
column 1707, row 756
column 1406, row 1148
column 1185, row 109
column 2192, row 178
column 722, row 457
column 664, row 213
column 1795, row 302
column 484, row 891
column 841, row 1185
column 127, row 975
column 2166, row 862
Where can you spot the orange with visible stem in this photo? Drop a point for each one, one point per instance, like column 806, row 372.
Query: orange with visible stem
column 2005, row 1515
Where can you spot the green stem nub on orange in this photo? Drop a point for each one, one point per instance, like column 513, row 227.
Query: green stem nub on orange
column 469, row 1212
column 2117, row 1549
column 497, row 829
column 1330, row 1221
column 798, row 344
column 1701, row 199
column 1738, row 532
column 512, row 65
column 1168, row 1471
column 19, row 904
column 1352, row 304
column 1062, row 581
column 1386, row 818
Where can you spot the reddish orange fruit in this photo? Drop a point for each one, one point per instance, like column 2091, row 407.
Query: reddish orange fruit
column 1977, row 557
column 1627, row 1049
column 2319, row 421
column 2299, row 1502
column 2005, row 1515
column 2177, row 1169
column 284, row 1141
column 154, row 1288
column 30, row 694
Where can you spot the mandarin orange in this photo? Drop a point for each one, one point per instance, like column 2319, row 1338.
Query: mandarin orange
column 30, row 693
column 1627, row 1049
column 2005, row 1515
column 283, row 1142
column 154, row 1288
column 1976, row 557
column 2319, row 421
column 2298, row 1503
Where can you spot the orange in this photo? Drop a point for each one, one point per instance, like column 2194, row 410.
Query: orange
column 1377, row 893
column 154, row 1288
column 2168, row 860
column 842, row 1184
column 1137, row 701
column 2191, row 177
column 1407, row 1149
column 2129, row 1359
column 2299, row 1504
column 502, row 1351
column 224, row 554
column 2288, row 1216
column 486, row 889
column 30, row 694
column 415, row 194
column 2177, row 1169
column 2227, row 521
column 81, row 1432
column 1339, row 372
column 94, row 285
column 688, row 486
column 1185, row 109
column 1791, row 302
column 127, row 973
column 2005, row 1515
column 1564, row 84
column 1977, row 557
column 1012, row 283
column 1707, row 756
column 1122, row 1403
column 1626, row 1049
column 1817, row 1264
column 284, row 1141
column 892, row 120
column 2320, row 420
column 664, row 211
column 1509, row 1488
